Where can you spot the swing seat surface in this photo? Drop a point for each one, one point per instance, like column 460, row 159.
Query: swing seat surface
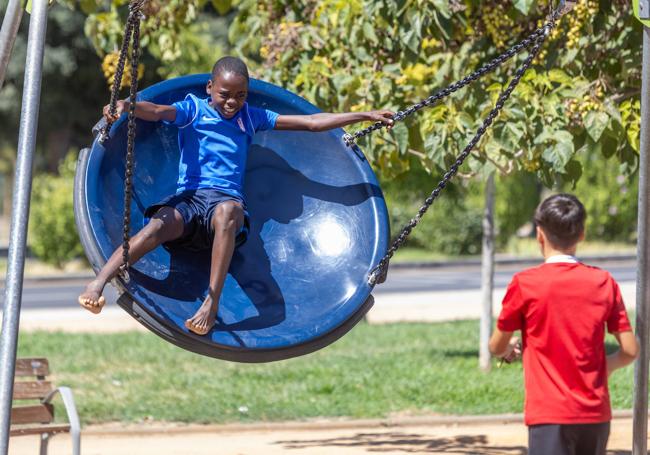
column 318, row 226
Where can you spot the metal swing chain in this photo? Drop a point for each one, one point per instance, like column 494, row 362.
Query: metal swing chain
column 131, row 36
column 134, row 16
column 132, row 20
column 378, row 274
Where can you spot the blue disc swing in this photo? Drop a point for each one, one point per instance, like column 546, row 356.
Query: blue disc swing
column 318, row 224
column 319, row 237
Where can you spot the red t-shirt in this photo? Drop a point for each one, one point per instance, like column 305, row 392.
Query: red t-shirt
column 561, row 309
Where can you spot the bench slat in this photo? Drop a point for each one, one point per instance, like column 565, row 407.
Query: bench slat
column 27, row 390
column 42, row 413
column 24, row 430
column 32, row 367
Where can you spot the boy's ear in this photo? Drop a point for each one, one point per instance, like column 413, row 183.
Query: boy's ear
column 582, row 236
column 208, row 87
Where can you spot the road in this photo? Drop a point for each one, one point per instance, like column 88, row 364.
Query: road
column 54, row 294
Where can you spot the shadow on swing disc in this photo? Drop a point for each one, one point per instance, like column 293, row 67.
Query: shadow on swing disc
column 318, row 226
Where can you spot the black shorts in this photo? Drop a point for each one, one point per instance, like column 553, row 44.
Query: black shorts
column 197, row 207
column 578, row 439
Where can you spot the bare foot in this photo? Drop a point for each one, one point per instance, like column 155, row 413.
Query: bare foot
column 92, row 298
column 203, row 320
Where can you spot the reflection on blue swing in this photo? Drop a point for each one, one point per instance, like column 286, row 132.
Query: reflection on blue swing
column 318, row 226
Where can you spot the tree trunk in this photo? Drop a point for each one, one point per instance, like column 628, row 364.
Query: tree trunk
column 487, row 274
column 7, row 191
column 8, row 156
column 58, row 145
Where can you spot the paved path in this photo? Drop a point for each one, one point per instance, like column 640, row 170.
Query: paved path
column 494, row 438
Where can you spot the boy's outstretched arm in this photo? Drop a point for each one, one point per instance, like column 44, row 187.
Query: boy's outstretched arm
column 143, row 110
column 326, row 121
column 628, row 352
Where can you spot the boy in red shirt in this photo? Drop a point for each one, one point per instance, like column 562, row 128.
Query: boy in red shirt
column 562, row 308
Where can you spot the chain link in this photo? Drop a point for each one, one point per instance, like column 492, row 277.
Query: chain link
column 132, row 39
column 537, row 39
column 133, row 20
column 130, row 147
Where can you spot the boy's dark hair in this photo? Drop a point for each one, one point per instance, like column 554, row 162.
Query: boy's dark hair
column 230, row 65
column 562, row 217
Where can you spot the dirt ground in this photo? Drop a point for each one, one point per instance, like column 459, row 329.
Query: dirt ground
column 490, row 438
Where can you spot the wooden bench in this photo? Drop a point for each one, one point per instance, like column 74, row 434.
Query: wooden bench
column 29, row 418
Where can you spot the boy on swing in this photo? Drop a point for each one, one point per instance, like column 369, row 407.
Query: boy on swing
column 562, row 308
column 208, row 209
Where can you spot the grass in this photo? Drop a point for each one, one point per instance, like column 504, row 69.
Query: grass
column 529, row 247
column 374, row 371
column 408, row 254
column 516, row 247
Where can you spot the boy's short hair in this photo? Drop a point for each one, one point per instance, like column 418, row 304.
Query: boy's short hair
column 562, row 217
column 230, row 65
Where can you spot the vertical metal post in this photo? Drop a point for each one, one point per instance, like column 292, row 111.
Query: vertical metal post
column 20, row 217
column 640, row 425
column 10, row 24
column 487, row 274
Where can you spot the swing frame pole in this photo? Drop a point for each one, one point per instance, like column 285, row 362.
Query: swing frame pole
column 640, row 423
column 10, row 25
column 20, row 213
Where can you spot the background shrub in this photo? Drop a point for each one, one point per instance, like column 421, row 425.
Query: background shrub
column 610, row 198
column 452, row 225
column 53, row 234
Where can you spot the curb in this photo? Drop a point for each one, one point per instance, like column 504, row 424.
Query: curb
column 117, row 429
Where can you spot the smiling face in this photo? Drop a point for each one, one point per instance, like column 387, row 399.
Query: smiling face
column 228, row 92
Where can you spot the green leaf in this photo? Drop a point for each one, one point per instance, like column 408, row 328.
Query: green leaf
column 559, row 76
column 222, row 6
column 612, row 111
column 558, row 156
column 411, row 39
column 443, row 7
column 431, row 145
column 515, row 130
column 88, row 6
column 401, row 134
column 28, row 5
column 523, row 5
column 596, row 122
column 608, row 146
column 573, row 171
column 464, row 121
column 369, row 33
